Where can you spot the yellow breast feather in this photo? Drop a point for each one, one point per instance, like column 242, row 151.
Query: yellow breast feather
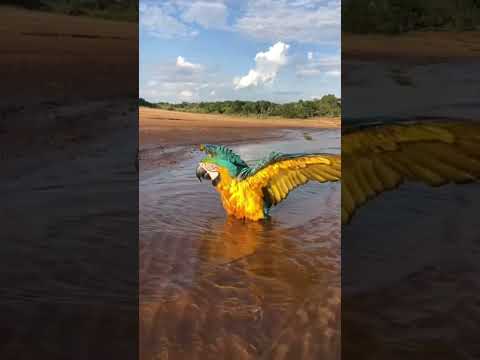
column 239, row 198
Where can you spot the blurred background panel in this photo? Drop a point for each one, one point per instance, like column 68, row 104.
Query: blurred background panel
column 411, row 162
column 69, row 209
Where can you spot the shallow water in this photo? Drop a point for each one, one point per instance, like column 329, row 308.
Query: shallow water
column 213, row 287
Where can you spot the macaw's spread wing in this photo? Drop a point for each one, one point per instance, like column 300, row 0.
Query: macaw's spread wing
column 279, row 174
column 380, row 158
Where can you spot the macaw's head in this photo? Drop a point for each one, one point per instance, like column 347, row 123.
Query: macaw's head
column 219, row 160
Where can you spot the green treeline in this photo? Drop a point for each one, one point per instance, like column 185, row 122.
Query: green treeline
column 399, row 16
column 122, row 10
column 328, row 105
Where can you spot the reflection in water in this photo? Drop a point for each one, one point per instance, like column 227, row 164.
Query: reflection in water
column 231, row 240
column 214, row 287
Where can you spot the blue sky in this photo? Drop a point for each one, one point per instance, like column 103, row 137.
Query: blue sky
column 213, row 50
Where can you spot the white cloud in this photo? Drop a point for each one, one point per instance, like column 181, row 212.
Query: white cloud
column 176, row 18
column 308, row 72
column 307, row 21
column 212, row 93
column 184, row 64
column 208, row 14
column 157, row 21
column 310, row 55
column 267, row 65
column 335, row 73
column 318, row 65
column 186, row 94
column 179, row 80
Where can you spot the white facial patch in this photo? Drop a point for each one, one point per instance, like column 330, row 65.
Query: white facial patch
column 211, row 169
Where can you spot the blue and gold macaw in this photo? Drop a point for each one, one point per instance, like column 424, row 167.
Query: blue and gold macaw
column 250, row 192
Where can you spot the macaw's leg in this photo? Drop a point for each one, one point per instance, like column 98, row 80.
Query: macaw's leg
column 267, row 204
column 266, row 212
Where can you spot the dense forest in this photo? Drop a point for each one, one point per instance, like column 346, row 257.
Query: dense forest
column 399, row 16
column 328, row 105
column 124, row 10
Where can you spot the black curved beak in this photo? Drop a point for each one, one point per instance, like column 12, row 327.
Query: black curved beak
column 202, row 174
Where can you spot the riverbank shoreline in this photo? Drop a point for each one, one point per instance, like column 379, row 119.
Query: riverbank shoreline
column 421, row 47
column 165, row 137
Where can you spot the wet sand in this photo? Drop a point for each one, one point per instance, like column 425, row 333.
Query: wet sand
column 52, row 57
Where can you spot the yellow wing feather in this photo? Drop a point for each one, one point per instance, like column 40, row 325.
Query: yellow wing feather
column 280, row 178
column 380, row 158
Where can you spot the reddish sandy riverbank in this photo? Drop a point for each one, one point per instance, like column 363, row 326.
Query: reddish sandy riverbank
column 162, row 130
